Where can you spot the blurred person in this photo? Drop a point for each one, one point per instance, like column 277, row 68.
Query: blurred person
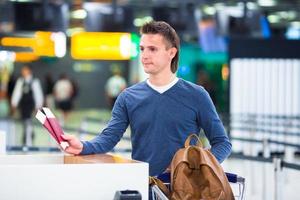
column 11, row 85
column 4, row 111
column 162, row 111
column 4, row 103
column 205, row 81
column 10, row 88
column 63, row 92
column 49, row 84
column 114, row 86
column 27, row 96
column 75, row 93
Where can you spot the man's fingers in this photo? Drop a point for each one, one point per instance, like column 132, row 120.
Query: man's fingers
column 72, row 150
column 67, row 137
column 69, row 150
column 75, row 144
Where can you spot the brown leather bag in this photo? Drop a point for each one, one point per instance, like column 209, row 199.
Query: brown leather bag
column 196, row 174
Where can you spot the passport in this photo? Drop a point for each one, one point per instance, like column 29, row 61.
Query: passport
column 48, row 120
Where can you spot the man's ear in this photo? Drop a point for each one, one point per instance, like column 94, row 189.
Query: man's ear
column 173, row 52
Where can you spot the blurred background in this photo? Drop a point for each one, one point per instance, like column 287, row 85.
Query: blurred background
column 244, row 53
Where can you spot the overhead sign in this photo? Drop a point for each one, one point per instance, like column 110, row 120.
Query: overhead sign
column 25, row 57
column 42, row 44
column 101, row 46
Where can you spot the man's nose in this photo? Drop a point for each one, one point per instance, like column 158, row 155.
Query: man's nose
column 144, row 55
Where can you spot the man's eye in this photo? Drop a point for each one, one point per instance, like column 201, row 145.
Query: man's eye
column 141, row 49
column 152, row 49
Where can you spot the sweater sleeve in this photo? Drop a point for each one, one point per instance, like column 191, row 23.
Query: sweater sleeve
column 114, row 131
column 213, row 128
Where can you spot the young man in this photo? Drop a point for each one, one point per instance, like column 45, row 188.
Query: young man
column 162, row 111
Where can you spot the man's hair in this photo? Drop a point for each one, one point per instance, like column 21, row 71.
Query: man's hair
column 169, row 34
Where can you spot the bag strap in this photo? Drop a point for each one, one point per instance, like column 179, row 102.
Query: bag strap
column 188, row 141
column 160, row 184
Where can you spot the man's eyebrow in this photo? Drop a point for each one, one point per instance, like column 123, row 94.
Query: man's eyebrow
column 152, row 46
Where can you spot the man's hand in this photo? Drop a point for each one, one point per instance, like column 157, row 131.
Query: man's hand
column 75, row 145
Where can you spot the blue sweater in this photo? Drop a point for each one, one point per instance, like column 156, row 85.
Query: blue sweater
column 160, row 123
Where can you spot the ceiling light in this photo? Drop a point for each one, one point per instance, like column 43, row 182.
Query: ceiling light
column 79, row 14
column 209, row 10
column 266, row 3
column 273, row 18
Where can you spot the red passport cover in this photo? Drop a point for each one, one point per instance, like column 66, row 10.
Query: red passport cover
column 47, row 118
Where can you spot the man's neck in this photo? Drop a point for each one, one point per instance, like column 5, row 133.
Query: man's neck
column 161, row 79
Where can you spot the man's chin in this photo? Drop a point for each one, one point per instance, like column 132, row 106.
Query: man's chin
column 147, row 70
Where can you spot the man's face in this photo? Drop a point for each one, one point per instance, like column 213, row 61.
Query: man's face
column 156, row 54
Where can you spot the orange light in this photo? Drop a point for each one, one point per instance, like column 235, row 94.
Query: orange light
column 42, row 44
column 101, row 46
column 18, row 42
column 225, row 72
column 25, row 57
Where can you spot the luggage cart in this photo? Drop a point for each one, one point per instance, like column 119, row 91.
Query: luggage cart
column 237, row 184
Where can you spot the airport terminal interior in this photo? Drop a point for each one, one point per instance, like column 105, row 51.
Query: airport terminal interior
column 244, row 53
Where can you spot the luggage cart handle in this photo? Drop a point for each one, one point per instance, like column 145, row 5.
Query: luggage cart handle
column 234, row 178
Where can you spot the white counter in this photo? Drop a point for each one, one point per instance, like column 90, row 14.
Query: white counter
column 50, row 177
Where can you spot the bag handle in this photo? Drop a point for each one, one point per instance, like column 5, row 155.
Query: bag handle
column 188, row 141
column 160, row 184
